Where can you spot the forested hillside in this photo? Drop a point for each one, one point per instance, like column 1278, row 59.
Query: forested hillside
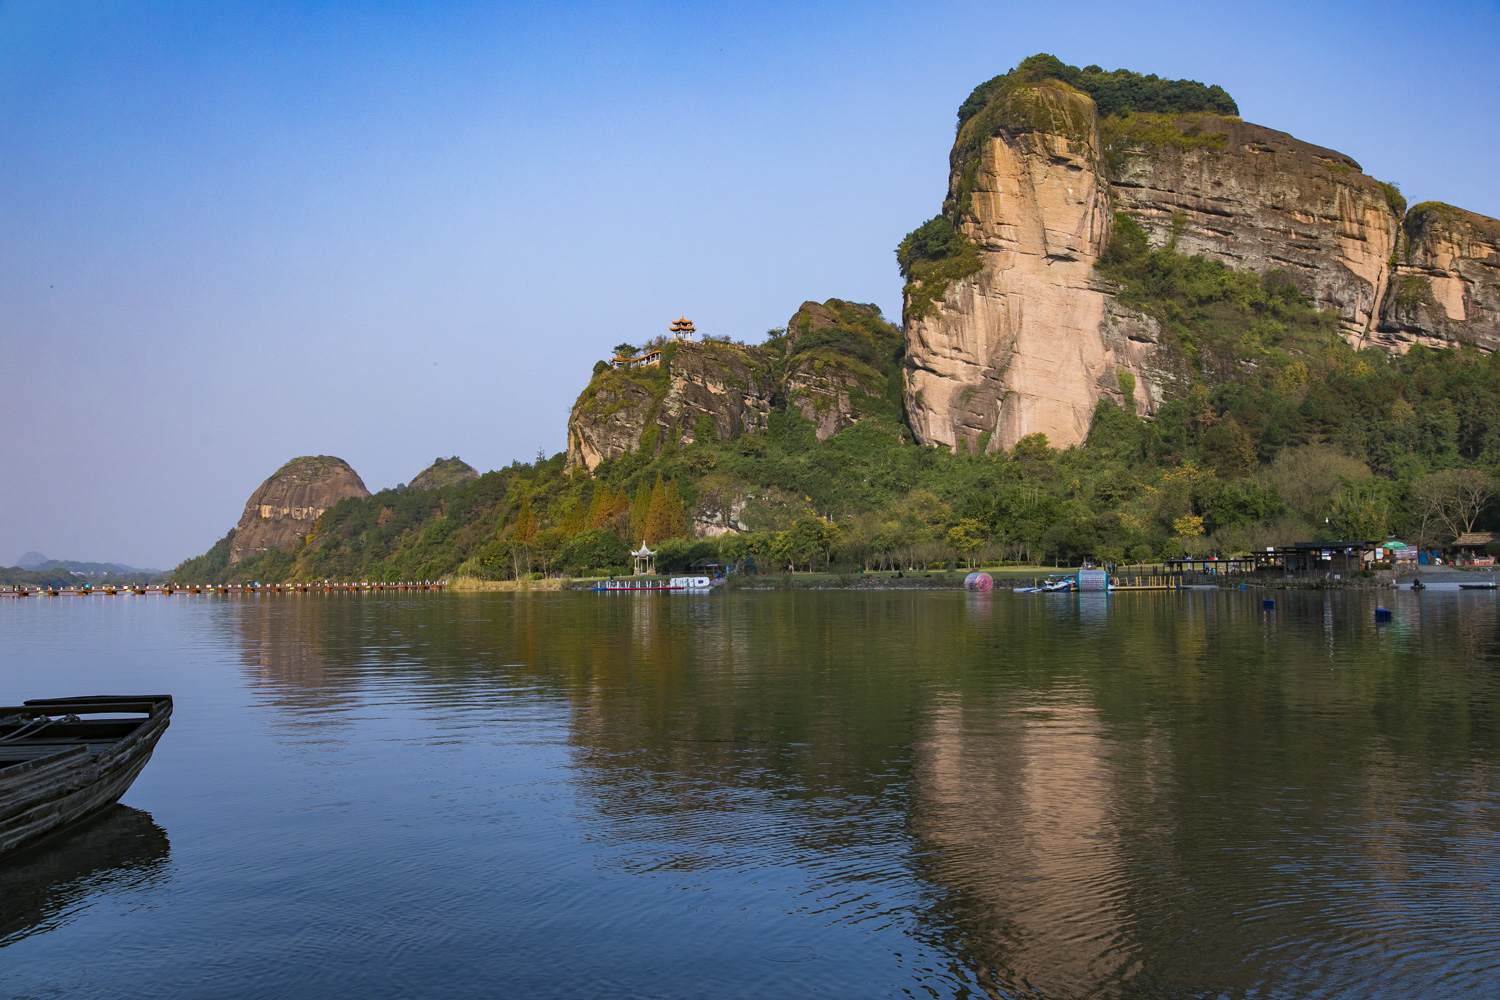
column 1215, row 398
column 1278, row 432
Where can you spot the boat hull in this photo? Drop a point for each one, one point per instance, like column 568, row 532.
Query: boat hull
column 78, row 778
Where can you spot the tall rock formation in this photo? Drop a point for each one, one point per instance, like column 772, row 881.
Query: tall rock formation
column 1018, row 347
column 286, row 505
column 1010, row 330
column 443, row 472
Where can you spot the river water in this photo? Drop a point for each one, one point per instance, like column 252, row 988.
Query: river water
column 853, row 794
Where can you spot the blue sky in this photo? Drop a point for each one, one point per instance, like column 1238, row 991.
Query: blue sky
column 235, row 233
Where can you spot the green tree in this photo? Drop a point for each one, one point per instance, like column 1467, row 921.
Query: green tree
column 966, row 537
column 595, row 550
column 677, row 525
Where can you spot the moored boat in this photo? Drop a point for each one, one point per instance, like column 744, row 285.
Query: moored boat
column 62, row 760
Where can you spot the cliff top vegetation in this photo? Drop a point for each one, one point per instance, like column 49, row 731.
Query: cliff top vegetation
column 1117, row 91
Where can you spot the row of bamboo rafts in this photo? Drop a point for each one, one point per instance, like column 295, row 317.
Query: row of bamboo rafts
column 221, row 588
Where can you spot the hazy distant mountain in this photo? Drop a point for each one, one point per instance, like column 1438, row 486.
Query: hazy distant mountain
column 37, row 562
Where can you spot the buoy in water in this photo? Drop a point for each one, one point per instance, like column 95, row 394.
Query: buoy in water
column 1268, row 604
column 1382, row 614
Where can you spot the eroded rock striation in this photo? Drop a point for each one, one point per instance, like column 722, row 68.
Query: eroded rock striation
column 1445, row 285
column 1010, row 330
column 443, row 472
column 286, row 505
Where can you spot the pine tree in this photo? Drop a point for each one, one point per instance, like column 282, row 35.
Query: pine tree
column 599, row 508
column 658, row 518
column 526, row 526
column 676, row 518
column 639, row 511
column 577, row 518
column 621, row 504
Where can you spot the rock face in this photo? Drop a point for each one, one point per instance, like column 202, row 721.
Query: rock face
column 284, row 508
column 443, row 472
column 1017, row 348
column 837, row 365
column 650, row 407
column 1446, row 285
column 1030, row 340
column 831, row 375
column 1259, row 200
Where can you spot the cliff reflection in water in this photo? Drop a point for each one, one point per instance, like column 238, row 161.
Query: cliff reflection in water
column 1177, row 791
column 119, row 853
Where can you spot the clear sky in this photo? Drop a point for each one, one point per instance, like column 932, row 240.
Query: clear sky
column 231, row 234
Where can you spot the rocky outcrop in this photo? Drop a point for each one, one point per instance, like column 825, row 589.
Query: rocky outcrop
column 1028, row 339
column 1022, row 346
column 831, row 374
column 1259, row 200
column 837, row 365
column 709, row 387
column 443, row 472
column 1445, row 286
column 285, row 507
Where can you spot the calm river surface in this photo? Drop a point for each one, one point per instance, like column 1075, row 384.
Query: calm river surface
column 774, row 795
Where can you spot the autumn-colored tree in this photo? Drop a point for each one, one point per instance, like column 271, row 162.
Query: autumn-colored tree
column 522, row 535
column 526, row 527
column 599, row 508
column 1188, row 526
column 576, row 519
column 658, row 520
column 639, row 510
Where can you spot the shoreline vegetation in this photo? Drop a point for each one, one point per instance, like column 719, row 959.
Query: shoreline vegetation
column 1003, row 576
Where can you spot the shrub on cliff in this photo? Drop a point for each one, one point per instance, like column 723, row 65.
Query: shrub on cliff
column 1113, row 91
column 931, row 257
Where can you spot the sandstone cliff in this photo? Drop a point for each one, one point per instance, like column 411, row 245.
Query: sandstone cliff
column 286, row 505
column 836, row 365
column 1010, row 330
column 443, row 472
column 1446, row 282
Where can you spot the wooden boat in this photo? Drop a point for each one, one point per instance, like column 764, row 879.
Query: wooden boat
column 59, row 767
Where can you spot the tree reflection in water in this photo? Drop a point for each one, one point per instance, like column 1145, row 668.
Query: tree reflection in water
column 1168, row 793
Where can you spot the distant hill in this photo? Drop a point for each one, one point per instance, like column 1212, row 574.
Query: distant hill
column 36, row 562
column 12, row 576
column 443, row 472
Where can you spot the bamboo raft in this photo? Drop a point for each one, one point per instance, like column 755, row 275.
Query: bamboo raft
column 168, row 589
column 58, row 768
